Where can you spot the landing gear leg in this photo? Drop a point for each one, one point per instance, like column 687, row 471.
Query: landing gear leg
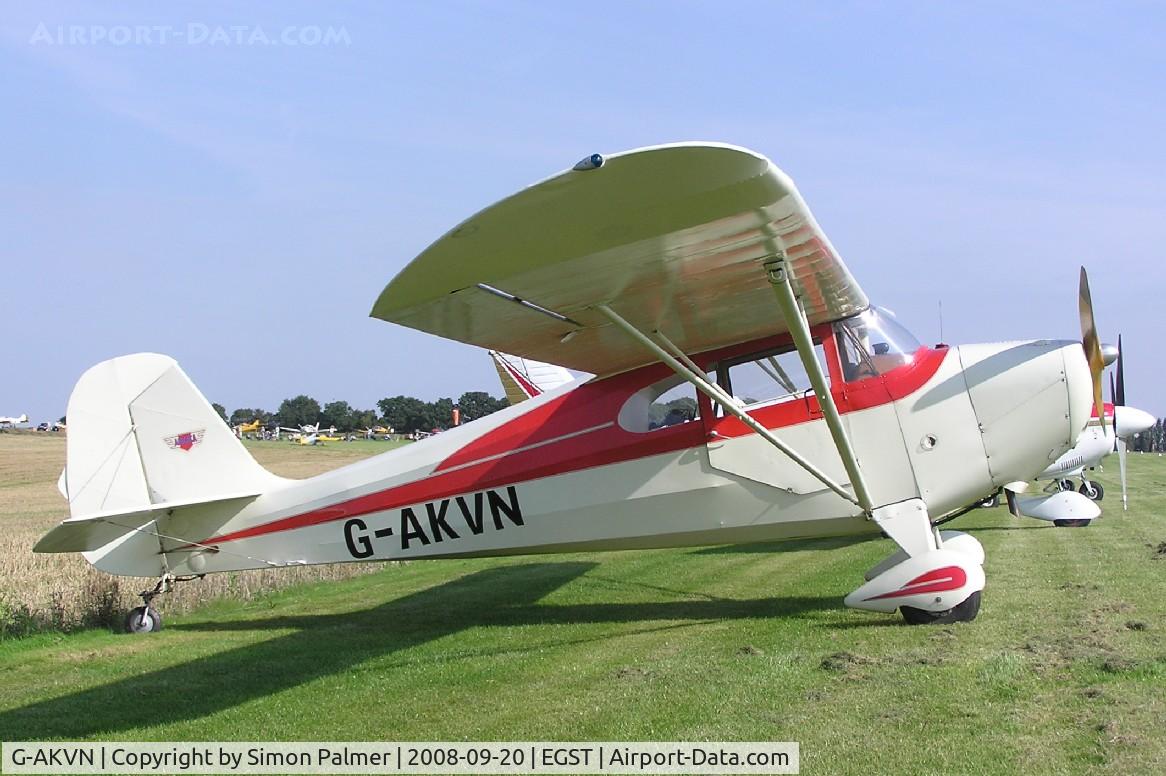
column 145, row 618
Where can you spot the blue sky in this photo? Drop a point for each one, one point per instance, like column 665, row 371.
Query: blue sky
column 239, row 206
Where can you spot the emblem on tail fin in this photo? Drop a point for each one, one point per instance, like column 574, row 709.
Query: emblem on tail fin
column 185, row 441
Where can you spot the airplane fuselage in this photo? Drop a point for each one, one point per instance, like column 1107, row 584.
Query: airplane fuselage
column 1091, row 447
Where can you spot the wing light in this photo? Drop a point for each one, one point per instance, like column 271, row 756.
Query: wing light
column 593, row 162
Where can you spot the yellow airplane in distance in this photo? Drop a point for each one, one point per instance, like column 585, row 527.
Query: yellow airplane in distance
column 250, row 428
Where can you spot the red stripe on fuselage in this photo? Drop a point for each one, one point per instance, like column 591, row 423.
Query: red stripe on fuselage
column 545, row 441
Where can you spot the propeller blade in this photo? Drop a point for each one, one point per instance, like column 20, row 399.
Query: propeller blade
column 1113, row 398
column 1121, row 462
column 1091, row 343
column 1120, row 396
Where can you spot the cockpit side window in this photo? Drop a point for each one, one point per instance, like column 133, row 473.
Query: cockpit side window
column 668, row 402
column 768, row 377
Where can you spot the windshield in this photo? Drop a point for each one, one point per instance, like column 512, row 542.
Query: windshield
column 873, row 343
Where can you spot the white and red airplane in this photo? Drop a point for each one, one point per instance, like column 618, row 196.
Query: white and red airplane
column 745, row 390
column 7, row 422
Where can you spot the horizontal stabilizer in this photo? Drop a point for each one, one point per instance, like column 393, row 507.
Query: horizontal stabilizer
column 92, row 532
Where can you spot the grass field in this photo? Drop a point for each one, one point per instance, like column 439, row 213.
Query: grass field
column 1063, row 672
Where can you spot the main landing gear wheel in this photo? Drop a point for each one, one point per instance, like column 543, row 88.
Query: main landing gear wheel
column 1093, row 490
column 1075, row 523
column 143, row 619
column 965, row 611
column 1065, row 484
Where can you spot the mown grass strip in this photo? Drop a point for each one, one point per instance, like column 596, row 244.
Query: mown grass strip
column 1064, row 670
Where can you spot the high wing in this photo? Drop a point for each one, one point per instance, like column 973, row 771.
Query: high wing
column 671, row 237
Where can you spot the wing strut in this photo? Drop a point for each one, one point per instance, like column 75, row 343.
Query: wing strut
column 683, row 366
column 799, row 328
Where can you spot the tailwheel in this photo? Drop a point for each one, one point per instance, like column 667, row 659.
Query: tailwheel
column 1092, row 489
column 965, row 611
column 1074, row 523
column 143, row 619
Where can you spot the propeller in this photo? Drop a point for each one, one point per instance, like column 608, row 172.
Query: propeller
column 1113, row 398
column 1117, row 392
column 1091, row 343
column 1120, row 396
column 1127, row 421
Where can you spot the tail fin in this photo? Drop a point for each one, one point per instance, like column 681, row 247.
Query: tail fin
column 140, row 433
column 143, row 439
column 523, row 378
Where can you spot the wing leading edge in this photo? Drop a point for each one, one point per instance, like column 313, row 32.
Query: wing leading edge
column 672, row 237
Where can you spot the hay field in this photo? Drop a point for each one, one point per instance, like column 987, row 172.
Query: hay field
column 63, row 592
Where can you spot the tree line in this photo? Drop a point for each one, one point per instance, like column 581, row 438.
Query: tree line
column 404, row 414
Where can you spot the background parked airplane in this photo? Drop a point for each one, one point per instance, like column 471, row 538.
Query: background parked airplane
column 254, row 427
column 11, row 422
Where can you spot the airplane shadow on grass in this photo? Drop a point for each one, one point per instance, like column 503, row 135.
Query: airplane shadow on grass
column 327, row 644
